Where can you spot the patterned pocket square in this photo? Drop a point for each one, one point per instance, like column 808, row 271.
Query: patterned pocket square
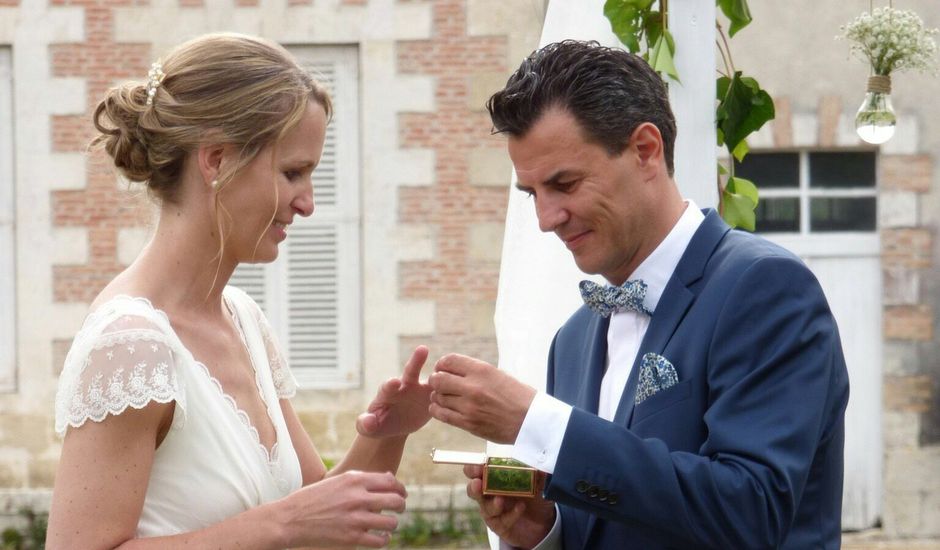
column 656, row 375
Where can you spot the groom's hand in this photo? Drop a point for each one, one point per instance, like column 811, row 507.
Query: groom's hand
column 520, row 522
column 479, row 398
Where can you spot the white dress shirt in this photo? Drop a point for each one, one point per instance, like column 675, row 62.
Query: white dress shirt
column 543, row 429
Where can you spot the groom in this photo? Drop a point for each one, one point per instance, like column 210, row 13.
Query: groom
column 698, row 401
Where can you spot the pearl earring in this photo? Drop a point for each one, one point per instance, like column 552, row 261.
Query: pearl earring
column 214, row 184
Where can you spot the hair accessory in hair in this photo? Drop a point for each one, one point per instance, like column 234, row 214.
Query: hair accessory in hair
column 154, row 79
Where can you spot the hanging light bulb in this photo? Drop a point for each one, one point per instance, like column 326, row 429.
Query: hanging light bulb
column 875, row 119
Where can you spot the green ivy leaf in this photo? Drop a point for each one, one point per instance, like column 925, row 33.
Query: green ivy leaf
column 737, row 12
column 742, row 109
column 723, row 83
column 722, row 171
column 661, row 57
column 738, row 210
column 653, row 27
column 743, row 187
column 741, row 150
column 625, row 20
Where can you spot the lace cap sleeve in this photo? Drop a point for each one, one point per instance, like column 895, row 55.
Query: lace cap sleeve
column 129, row 363
column 284, row 382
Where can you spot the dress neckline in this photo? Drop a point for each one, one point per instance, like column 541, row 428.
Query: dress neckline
column 270, row 456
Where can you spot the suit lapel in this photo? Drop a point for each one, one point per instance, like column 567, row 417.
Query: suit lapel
column 595, row 354
column 665, row 319
column 676, row 300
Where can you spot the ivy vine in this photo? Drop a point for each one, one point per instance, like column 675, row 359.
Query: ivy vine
column 742, row 107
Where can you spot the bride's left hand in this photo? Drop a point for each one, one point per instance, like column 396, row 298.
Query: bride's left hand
column 401, row 405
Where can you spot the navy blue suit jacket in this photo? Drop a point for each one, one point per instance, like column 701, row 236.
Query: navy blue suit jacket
column 745, row 451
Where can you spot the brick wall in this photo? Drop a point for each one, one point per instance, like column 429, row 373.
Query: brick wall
column 911, row 373
column 102, row 207
column 460, row 281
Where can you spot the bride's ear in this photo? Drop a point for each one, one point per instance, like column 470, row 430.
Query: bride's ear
column 209, row 158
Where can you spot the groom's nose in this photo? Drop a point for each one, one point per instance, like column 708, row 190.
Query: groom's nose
column 550, row 212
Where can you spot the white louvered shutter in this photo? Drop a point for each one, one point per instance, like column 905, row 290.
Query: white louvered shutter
column 311, row 294
column 7, row 244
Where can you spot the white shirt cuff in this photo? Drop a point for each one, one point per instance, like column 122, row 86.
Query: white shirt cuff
column 542, row 431
column 552, row 540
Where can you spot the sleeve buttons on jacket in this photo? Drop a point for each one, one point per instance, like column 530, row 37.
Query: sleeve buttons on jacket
column 581, row 486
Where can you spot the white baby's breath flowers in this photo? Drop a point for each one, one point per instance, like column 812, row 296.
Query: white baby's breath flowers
column 892, row 40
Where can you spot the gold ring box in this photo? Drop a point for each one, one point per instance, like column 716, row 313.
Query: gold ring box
column 501, row 475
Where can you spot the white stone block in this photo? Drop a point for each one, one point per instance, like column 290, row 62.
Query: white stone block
column 63, row 321
column 69, row 245
column 406, row 167
column 415, row 317
column 897, row 209
column 33, row 22
column 901, row 429
column 411, row 21
column 63, row 96
column 845, row 131
column 761, row 139
column 901, row 287
column 930, row 518
column 62, row 171
column 413, row 242
column 9, row 17
column 486, row 241
column 906, row 137
column 14, row 467
column 902, row 512
column 414, row 93
column 805, row 130
column 913, row 470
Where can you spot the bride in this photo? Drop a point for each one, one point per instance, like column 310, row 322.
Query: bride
column 174, row 400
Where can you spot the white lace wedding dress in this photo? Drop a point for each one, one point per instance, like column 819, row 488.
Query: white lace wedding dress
column 211, row 465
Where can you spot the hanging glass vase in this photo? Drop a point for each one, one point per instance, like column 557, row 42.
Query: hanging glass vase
column 875, row 119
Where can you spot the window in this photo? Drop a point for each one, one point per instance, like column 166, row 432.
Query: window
column 311, row 294
column 813, row 191
column 7, row 245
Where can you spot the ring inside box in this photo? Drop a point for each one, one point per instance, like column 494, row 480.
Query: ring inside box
column 501, row 475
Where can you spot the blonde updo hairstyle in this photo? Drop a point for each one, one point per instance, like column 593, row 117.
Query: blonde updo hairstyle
column 224, row 88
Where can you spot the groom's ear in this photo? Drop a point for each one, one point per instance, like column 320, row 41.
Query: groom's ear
column 647, row 143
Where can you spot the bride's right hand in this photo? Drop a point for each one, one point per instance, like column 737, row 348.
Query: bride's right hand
column 343, row 511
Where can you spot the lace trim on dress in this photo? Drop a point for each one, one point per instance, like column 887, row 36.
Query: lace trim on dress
column 284, row 382
column 130, row 336
column 242, row 416
column 95, row 393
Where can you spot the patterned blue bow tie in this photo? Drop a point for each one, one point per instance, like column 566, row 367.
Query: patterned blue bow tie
column 607, row 299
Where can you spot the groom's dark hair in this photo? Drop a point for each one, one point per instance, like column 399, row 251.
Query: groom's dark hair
column 608, row 91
